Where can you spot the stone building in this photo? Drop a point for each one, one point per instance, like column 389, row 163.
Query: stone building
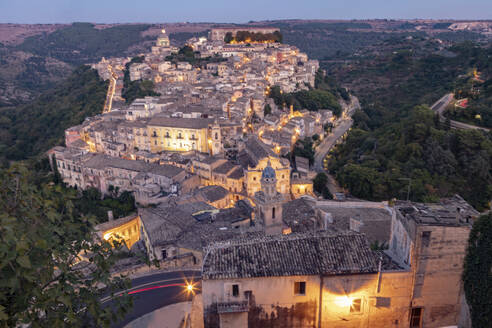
column 269, row 202
column 333, row 279
column 254, row 157
column 184, row 134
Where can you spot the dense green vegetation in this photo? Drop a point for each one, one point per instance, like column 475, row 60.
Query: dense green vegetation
column 324, row 96
column 477, row 277
column 31, row 129
column 41, row 61
column 326, row 41
column 186, row 54
column 81, row 43
column 478, row 94
column 394, row 140
column 136, row 89
column 247, row 36
column 180, row 38
column 87, row 202
column 42, row 240
column 319, row 185
column 304, row 148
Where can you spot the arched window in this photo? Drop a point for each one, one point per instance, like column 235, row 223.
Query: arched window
column 273, row 213
column 216, row 136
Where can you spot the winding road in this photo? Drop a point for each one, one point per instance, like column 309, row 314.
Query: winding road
column 154, row 291
column 343, row 125
column 440, row 106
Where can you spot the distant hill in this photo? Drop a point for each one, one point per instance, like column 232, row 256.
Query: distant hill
column 31, row 129
column 34, row 64
column 33, row 58
column 395, row 138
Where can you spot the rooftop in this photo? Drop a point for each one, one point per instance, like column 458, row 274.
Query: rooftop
column 178, row 122
column 453, row 211
column 319, row 253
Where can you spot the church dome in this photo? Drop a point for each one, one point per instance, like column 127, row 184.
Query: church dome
column 268, row 172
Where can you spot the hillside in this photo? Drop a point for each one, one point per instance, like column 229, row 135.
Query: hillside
column 394, row 139
column 32, row 129
column 33, row 58
column 35, row 62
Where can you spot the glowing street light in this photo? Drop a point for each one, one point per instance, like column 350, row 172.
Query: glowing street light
column 343, row 301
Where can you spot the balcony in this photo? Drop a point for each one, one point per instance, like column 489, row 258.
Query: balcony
column 232, row 307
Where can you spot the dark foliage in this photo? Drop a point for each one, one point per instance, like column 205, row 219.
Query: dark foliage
column 393, row 138
column 313, row 100
column 136, row 89
column 186, row 54
column 477, row 277
column 81, row 43
column 31, row 129
column 319, row 185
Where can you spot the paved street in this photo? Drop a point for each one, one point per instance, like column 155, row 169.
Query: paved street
column 152, row 292
column 440, row 106
column 329, row 141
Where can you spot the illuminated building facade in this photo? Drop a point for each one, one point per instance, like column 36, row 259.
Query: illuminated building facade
column 334, row 279
column 125, row 230
column 184, row 134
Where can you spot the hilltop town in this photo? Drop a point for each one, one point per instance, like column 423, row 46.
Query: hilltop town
column 208, row 155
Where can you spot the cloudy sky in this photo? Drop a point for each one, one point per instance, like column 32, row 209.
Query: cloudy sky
column 113, row 11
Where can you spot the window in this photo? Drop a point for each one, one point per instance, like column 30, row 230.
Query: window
column 216, row 136
column 273, row 213
column 235, row 290
column 154, row 134
column 167, row 134
column 356, row 306
column 179, row 136
column 164, row 253
column 426, row 238
column 416, row 318
column 300, row 288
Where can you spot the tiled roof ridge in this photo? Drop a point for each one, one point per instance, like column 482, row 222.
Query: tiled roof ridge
column 280, row 238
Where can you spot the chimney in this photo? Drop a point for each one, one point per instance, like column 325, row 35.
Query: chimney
column 110, row 216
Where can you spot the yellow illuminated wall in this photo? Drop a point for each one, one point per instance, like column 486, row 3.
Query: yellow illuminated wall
column 177, row 139
column 129, row 232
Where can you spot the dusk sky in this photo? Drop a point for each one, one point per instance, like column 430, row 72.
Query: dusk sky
column 112, row 11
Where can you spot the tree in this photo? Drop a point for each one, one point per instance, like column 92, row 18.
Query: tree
column 52, row 272
column 228, row 37
column 186, row 51
column 320, row 182
column 477, row 277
